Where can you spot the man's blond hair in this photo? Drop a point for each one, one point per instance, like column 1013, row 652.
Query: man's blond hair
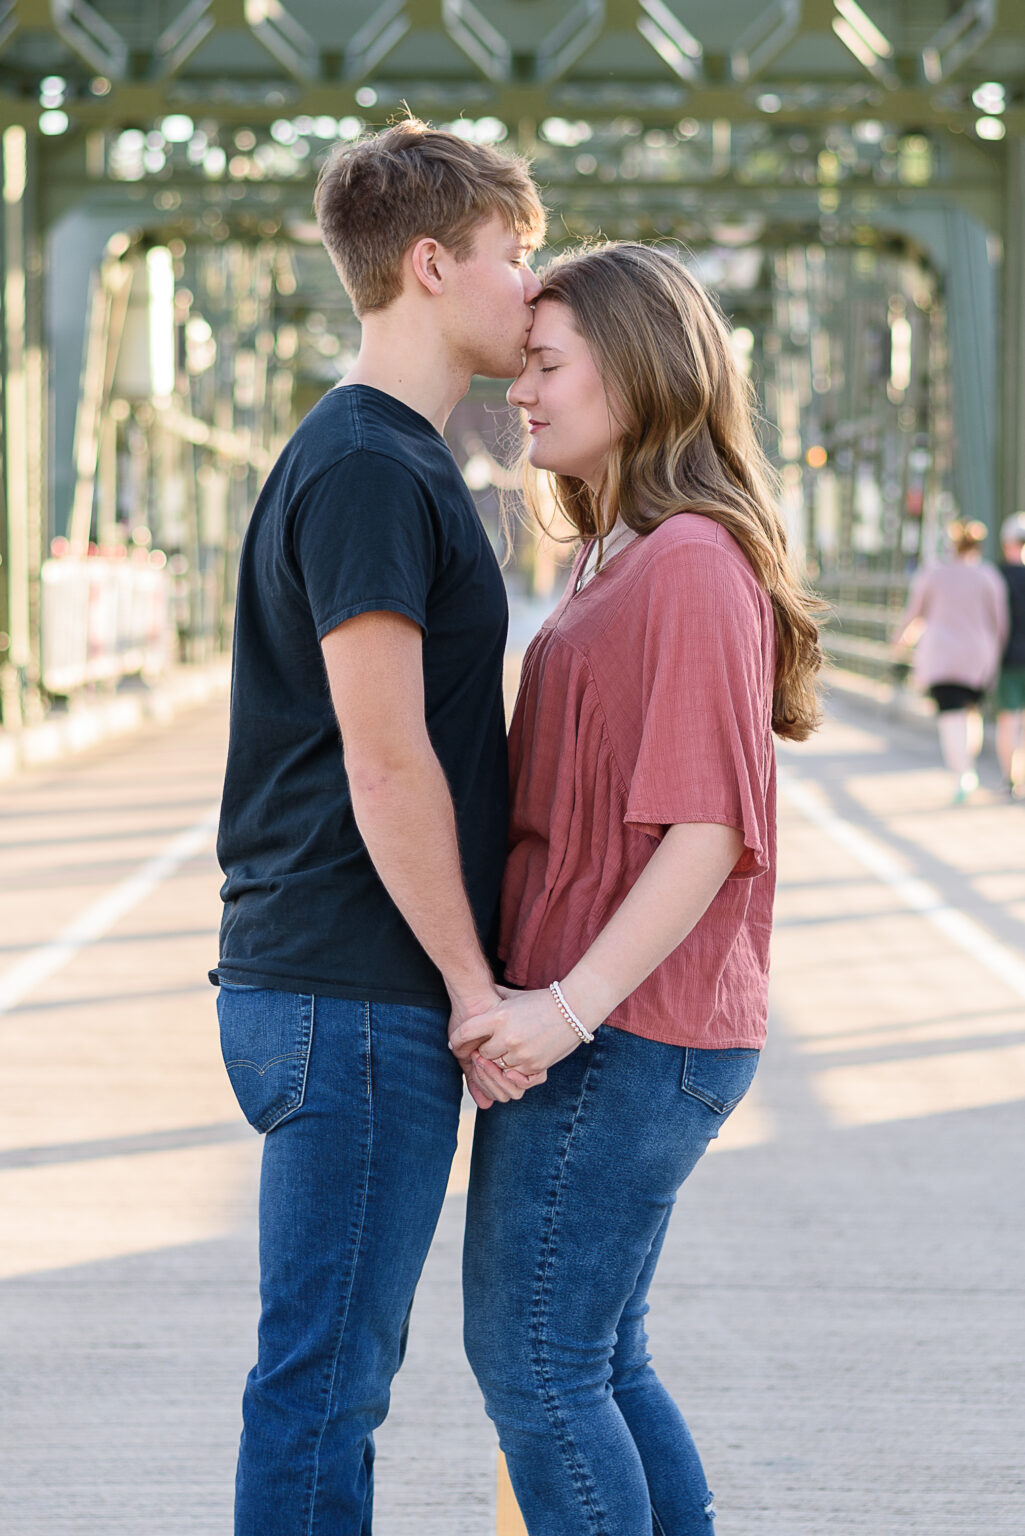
column 377, row 197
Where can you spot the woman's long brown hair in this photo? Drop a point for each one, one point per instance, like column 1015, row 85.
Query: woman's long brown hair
column 689, row 442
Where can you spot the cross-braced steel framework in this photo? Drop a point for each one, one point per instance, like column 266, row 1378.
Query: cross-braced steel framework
column 885, row 131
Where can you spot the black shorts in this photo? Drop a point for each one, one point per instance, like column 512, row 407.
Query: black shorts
column 954, row 696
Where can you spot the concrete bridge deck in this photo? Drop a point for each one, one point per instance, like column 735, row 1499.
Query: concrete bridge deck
column 840, row 1307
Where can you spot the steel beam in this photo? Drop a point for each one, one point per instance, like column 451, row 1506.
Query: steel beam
column 568, row 41
column 958, row 38
column 23, row 432
column 474, row 35
column 284, row 38
column 972, row 304
column 179, row 41
column 89, row 35
column 654, row 104
column 1012, row 334
column 674, row 43
column 108, row 306
column 767, row 36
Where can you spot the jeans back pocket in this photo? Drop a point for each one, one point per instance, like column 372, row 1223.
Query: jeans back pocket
column 266, row 1038
column 719, row 1079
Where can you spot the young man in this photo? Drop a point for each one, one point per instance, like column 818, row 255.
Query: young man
column 1011, row 682
column 363, row 826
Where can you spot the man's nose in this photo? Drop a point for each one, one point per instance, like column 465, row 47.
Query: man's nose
column 531, row 285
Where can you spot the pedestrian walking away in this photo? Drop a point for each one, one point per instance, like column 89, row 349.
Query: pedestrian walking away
column 363, row 825
column 1011, row 681
column 957, row 620
column 637, row 899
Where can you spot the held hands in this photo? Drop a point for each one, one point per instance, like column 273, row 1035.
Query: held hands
column 464, row 1020
column 510, row 1047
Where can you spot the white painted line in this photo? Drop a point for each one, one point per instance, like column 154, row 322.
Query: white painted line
column 42, row 963
column 916, row 894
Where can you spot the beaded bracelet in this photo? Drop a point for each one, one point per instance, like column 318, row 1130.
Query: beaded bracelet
column 568, row 1014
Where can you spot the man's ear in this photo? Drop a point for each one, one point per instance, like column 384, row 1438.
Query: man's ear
column 426, row 258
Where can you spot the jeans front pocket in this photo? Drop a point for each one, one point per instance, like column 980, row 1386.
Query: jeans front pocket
column 719, row 1079
column 266, row 1038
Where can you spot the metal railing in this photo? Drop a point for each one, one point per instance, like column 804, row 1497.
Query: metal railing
column 858, row 633
column 104, row 618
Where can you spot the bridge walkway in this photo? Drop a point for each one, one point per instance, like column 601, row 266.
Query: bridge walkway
column 839, row 1307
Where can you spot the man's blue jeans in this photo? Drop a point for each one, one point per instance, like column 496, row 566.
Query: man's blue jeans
column 571, row 1190
column 360, row 1103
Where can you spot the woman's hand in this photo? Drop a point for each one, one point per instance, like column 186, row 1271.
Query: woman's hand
column 485, row 1088
column 518, row 1039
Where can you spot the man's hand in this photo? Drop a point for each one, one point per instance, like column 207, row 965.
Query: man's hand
column 485, row 1089
column 464, row 1009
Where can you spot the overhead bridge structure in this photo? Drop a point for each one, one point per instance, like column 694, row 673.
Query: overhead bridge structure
column 848, row 175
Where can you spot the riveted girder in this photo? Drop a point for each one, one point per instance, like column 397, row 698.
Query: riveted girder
column 807, row 60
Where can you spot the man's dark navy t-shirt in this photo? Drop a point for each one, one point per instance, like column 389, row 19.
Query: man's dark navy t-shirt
column 365, row 510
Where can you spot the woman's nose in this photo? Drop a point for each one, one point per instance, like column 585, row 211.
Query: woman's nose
column 519, row 391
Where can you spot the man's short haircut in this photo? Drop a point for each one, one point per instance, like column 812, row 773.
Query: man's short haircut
column 377, row 197
column 1012, row 530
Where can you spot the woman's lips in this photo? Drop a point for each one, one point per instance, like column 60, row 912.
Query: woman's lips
column 535, row 426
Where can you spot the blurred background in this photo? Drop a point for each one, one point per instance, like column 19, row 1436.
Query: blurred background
column 850, row 181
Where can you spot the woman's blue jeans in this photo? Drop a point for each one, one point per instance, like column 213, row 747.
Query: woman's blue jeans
column 360, row 1102
column 571, row 1190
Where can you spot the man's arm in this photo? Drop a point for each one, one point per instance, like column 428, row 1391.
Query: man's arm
column 400, row 796
column 403, row 807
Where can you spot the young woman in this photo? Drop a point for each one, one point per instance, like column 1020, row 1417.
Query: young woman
column 957, row 619
column 638, row 893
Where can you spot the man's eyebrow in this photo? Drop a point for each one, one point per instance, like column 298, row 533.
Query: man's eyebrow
column 546, row 347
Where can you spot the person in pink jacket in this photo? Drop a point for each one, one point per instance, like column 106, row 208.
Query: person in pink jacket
column 957, row 619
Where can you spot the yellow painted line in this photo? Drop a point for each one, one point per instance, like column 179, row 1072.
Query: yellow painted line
column 509, row 1519
column 459, row 1173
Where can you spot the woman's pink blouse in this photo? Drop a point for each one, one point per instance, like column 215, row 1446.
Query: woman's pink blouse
column 646, row 700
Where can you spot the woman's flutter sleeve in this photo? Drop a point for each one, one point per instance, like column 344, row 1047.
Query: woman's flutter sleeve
column 704, row 750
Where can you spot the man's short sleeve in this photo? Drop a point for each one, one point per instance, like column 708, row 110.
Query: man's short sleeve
column 705, row 749
column 364, row 540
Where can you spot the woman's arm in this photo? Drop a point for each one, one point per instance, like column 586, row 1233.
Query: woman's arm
column 909, row 625
column 673, row 892
column 671, row 895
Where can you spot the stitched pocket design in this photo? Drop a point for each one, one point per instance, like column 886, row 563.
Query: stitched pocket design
column 266, row 1038
column 719, row 1079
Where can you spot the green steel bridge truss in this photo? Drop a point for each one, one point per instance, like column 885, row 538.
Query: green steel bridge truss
column 848, row 174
